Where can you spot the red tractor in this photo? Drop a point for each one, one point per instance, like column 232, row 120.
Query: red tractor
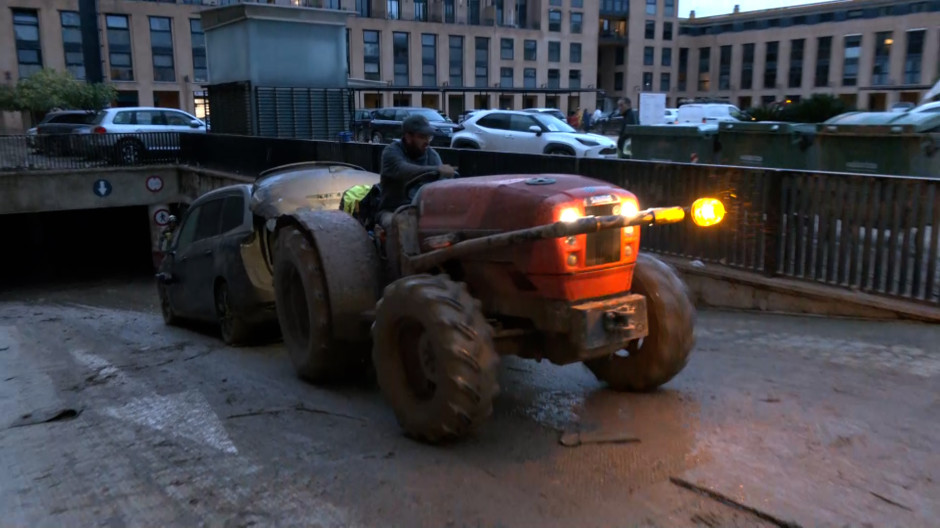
column 476, row 268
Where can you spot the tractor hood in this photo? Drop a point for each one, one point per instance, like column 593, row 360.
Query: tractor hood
column 305, row 186
column 503, row 203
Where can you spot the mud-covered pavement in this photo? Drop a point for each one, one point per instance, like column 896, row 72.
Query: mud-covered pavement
column 777, row 421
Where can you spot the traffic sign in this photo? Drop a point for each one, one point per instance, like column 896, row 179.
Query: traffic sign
column 154, row 184
column 101, row 188
column 161, row 217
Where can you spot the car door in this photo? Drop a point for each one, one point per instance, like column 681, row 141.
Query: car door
column 524, row 140
column 494, row 129
column 194, row 261
column 146, row 123
column 181, row 264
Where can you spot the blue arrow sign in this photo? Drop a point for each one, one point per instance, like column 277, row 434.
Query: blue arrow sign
column 102, row 188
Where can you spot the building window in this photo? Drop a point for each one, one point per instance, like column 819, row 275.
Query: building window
column 647, row 81
column 648, row 53
column 348, row 60
column 528, row 76
column 881, row 66
column 530, row 50
column 522, row 17
column 456, row 60
column 667, row 57
column 400, row 58
column 161, row 45
column 795, row 78
column 332, row 4
column 747, row 67
column 618, row 81
column 650, row 30
column 664, row 82
column 554, row 20
column 499, row 11
column 574, row 79
column 667, row 30
column 421, row 10
column 482, row 62
column 394, row 9
column 72, row 44
column 770, row 65
column 823, row 56
column 724, row 68
column 505, row 77
column 371, row 54
column 669, row 7
column 853, row 48
column 429, row 59
column 554, row 3
column 619, row 54
column 651, row 7
column 119, row 48
column 450, row 11
column 554, row 52
column 574, row 52
column 914, row 57
column 683, row 69
column 28, row 50
column 364, row 8
column 577, row 3
column 554, row 78
column 473, row 12
column 576, row 21
column 198, row 38
column 704, row 69
column 506, row 49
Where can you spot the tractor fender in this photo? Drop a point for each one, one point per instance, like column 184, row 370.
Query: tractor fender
column 350, row 265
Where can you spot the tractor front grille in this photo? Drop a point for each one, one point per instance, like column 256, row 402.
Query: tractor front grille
column 602, row 247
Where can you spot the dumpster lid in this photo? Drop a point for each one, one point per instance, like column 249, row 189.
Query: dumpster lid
column 768, row 127
column 882, row 123
column 679, row 130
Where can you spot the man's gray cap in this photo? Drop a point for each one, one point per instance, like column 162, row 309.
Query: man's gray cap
column 417, row 124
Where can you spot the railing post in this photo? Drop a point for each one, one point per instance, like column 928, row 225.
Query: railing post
column 773, row 209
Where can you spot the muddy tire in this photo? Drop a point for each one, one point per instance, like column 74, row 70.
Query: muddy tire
column 303, row 311
column 434, row 358
column 166, row 308
column 234, row 329
column 663, row 353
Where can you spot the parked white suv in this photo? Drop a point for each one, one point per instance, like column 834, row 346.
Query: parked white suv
column 130, row 131
column 530, row 133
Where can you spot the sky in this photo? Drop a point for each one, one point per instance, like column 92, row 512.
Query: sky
column 724, row 7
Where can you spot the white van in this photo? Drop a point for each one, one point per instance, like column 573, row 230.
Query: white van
column 709, row 113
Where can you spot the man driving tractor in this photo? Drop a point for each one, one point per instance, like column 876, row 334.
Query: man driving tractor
column 404, row 159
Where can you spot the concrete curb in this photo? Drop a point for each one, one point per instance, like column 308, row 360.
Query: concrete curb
column 722, row 287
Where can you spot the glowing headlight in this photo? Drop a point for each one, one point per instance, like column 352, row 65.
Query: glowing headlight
column 569, row 215
column 707, row 212
column 629, row 208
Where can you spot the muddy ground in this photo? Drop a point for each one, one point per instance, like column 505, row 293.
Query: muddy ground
column 109, row 418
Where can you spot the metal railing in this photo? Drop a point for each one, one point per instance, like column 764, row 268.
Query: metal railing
column 80, row 151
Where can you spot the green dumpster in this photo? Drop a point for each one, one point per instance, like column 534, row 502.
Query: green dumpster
column 768, row 144
column 674, row 143
column 900, row 144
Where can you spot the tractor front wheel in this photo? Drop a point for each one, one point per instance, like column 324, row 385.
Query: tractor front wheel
column 647, row 363
column 434, row 357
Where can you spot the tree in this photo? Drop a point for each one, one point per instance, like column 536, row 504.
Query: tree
column 49, row 89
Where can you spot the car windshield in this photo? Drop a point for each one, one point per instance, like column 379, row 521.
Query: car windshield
column 553, row 124
column 430, row 114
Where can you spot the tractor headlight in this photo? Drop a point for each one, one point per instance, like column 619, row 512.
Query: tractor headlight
column 570, row 214
column 629, row 208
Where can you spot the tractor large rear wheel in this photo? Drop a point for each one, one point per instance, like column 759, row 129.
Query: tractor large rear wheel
column 647, row 363
column 303, row 311
column 434, row 357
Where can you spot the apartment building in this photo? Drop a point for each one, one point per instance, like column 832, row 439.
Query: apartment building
column 870, row 53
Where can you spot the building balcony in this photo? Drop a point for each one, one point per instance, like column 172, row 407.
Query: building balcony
column 612, row 37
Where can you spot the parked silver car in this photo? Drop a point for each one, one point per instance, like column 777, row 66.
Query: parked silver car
column 129, row 134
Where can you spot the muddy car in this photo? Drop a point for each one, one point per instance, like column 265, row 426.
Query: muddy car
column 218, row 266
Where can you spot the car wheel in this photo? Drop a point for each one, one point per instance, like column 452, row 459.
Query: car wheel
column 362, row 136
column 166, row 307
column 234, row 329
column 377, row 137
column 466, row 145
column 559, row 151
column 130, row 152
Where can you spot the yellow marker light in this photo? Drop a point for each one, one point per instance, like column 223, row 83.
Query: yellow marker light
column 669, row 215
column 707, row 212
column 569, row 215
column 629, row 208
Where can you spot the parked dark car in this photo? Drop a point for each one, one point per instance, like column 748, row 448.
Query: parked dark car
column 52, row 133
column 386, row 124
column 218, row 267
column 360, row 124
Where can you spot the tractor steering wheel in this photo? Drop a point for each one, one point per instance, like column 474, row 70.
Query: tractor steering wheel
column 414, row 184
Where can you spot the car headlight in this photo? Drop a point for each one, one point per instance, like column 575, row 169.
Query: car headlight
column 588, row 142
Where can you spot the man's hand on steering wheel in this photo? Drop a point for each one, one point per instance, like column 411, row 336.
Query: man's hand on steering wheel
column 447, row 171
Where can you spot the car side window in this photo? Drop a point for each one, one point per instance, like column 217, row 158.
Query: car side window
column 385, row 115
column 521, row 123
column 401, row 115
column 233, row 213
column 209, row 218
column 187, row 232
column 123, row 118
column 176, row 119
column 495, row 121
